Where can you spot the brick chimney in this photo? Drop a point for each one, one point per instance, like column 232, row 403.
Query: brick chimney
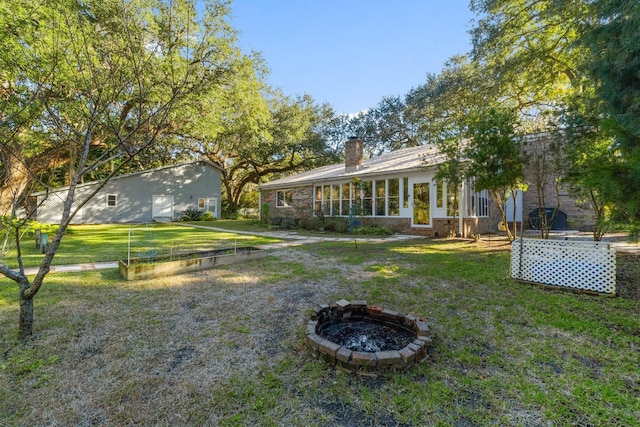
column 353, row 154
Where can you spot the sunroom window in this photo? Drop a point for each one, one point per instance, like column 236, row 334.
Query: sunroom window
column 394, row 197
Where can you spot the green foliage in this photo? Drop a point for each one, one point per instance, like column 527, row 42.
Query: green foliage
column 208, row 216
column 99, row 84
column 311, row 223
column 191, row 214
column 496, row 160
column 592, row 167
column 612, row 38
column 267, row 135
column 43, row 228
column 494, row 151
column 580, row 59
column 24, row 362
column 528, row 50
column 339, row 225
column 371, row 231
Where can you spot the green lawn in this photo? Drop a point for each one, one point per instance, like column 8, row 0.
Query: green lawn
column 226, row 347
column 95, row 243
column 236, row 225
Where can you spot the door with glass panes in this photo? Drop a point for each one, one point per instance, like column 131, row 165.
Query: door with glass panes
column 421, row 206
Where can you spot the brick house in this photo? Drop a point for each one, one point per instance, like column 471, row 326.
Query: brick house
column 396, row 190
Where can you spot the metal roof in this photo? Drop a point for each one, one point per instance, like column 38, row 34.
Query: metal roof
column 405, row 160
column 142, row 172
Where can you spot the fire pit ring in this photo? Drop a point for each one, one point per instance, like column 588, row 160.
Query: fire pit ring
column 413, row 331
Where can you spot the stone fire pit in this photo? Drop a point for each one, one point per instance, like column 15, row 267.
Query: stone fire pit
column 366, row 338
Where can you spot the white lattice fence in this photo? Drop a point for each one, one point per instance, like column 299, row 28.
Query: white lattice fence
column 588, row 266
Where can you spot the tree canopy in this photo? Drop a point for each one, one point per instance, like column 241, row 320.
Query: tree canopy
column 98, row 84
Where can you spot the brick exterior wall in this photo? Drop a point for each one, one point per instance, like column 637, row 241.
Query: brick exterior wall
column 541, row 171
column 302, row 206
column 580, row 216
column 353, row 153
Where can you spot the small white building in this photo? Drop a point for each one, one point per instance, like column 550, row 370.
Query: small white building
column 156, row 194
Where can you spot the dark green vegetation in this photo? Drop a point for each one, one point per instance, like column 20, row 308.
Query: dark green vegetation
column 225, row 347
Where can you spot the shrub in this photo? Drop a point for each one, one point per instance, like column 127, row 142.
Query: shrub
column 42, row 227
column 372, row 231
column 208, row 216
column 310, row 223
column 191, row 214
column 341, row 227
column 338, row 225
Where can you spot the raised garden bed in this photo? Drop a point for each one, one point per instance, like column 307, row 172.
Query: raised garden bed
column 150, row 266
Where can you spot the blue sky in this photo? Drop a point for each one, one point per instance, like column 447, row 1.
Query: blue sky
column 351, row 53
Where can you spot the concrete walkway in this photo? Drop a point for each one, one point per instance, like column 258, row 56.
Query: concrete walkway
column 292, row 238
column 289, row 239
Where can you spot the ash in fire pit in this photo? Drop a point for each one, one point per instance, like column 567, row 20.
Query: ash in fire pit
column 362, row 337
column 366, row 336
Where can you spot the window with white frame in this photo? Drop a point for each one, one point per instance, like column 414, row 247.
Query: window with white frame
column 477, row 202
column 335, row 199
column 284, row 198
column 405, row 192
column 201, row 203
column 345, row 198
column 367, row 198
column 356, row 198
column 326, row 200
column 112, row 200
column 317, row 206
column 381, row 200
column 452, row 200
column 440, row 193
column 382, row 197
column 393, row 197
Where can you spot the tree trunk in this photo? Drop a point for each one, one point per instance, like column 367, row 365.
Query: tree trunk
column 25, row 327
column 15, row 182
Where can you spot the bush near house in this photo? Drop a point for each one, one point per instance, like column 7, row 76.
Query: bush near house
column 191, row 214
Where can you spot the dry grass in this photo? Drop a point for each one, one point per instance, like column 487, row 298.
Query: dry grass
column 225, row 347
column 154, row 351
